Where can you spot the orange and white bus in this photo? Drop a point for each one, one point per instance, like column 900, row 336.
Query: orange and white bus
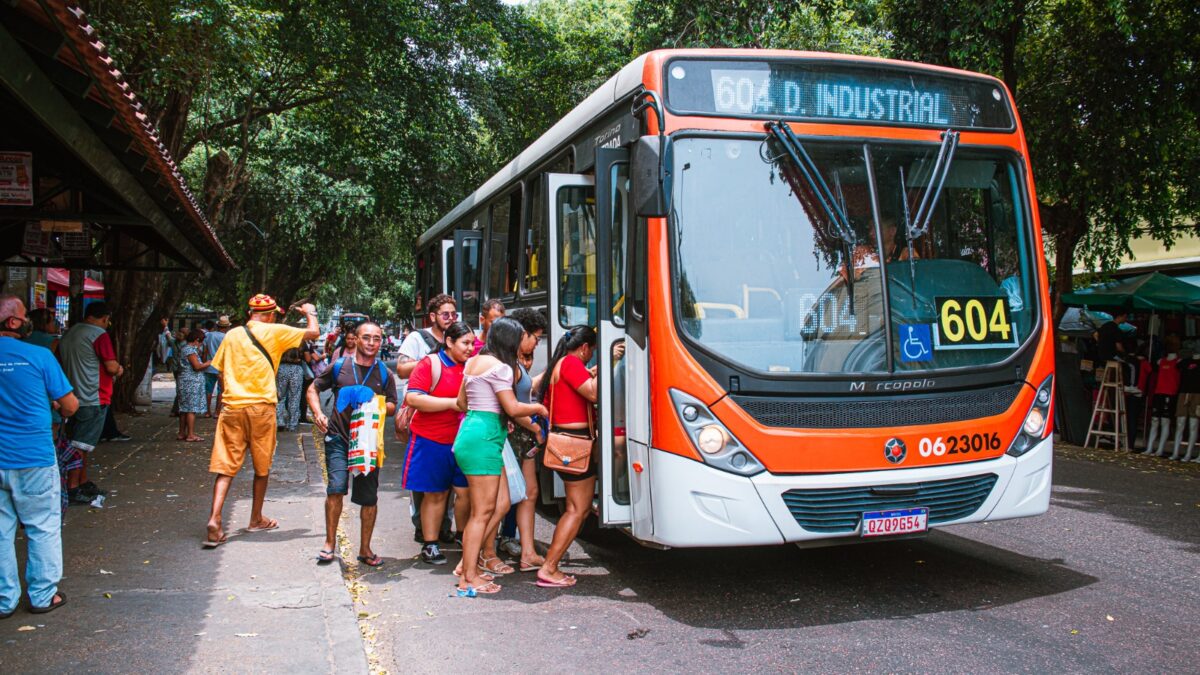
column 827, row 274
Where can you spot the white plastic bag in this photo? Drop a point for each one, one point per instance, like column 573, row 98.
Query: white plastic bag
column 516, row 479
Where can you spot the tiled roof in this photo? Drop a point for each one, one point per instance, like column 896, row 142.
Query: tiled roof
column 88, row 54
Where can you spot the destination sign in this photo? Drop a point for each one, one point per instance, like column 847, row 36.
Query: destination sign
column 824, row 91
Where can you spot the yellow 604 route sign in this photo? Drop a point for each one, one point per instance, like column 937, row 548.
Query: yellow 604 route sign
column 971, row 322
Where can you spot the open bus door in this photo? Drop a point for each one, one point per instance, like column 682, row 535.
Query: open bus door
column 468, row 277
column 571, row 217
column 612, row 226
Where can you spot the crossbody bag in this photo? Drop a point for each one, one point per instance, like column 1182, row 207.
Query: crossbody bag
column 565, row 452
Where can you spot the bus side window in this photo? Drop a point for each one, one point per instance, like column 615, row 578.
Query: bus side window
column 499, row 263
column 533, row 240
column 577, row 255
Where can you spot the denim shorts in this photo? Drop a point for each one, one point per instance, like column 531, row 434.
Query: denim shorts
column 337, row 455
column 210, row 382
column 85, row 426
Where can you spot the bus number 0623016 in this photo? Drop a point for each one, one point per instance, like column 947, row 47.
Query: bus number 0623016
column 953, row 445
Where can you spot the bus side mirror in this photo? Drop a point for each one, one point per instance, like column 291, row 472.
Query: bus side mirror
column 651, row 184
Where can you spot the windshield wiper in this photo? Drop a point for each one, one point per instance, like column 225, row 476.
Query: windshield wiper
column 808, row 170
column 916, row 226
column 919, row 224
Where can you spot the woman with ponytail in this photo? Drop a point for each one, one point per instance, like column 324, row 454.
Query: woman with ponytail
column 570, row 393
column 486, row 396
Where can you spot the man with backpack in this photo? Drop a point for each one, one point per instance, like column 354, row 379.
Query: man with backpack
column 443, row 311
column 363, row 369
column 248, row 360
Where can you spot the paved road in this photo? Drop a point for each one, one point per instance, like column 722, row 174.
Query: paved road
column 1107, row 581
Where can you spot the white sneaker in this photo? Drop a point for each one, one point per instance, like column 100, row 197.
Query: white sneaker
column 1133, row 390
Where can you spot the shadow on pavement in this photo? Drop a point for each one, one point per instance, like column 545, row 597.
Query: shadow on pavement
column 144, row 596
column 788, row 587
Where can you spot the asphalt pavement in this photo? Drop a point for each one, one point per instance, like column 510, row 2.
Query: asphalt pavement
column 1105, row 582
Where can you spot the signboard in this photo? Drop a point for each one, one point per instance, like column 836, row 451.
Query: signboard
column 16, row 178
column 39, row 295
column 35, row 243
column 968, row 322
column 836, row 92
column 76, row 244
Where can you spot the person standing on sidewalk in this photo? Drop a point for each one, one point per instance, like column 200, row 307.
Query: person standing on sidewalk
column 29, row 481
column 247, row 361
column 362, row 369
column 288, row 383
column 212, row 342
column 91, row 364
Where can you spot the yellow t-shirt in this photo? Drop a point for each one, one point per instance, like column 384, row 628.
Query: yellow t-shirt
column 246, row 377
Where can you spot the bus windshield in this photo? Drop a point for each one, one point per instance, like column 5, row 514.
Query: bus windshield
column 768, row 280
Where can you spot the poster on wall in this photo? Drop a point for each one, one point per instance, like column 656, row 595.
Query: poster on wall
column 16, row 178
column 39, row 295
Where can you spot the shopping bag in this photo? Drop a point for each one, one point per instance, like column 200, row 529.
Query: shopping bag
column 516, row 479
column 366, row 438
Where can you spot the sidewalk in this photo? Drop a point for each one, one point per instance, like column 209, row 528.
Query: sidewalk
column 145, row 597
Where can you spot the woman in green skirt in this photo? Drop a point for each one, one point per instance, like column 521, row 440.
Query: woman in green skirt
column 487, row 397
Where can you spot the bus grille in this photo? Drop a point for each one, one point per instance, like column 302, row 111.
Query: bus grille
column 838, row 510
column 874, row 413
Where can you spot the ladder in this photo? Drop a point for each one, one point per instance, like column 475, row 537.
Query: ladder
column 1110, row 405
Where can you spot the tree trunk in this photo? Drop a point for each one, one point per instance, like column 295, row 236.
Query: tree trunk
column 138, row 300
column 1067, row 225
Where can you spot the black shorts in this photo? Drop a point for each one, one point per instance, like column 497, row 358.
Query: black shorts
column 1163, row 405
column 591, row 470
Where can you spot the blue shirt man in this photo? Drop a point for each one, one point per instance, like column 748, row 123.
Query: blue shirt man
column 29, row 479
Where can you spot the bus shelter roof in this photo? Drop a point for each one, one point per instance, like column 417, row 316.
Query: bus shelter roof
column 100, row 189
column 1154, row 292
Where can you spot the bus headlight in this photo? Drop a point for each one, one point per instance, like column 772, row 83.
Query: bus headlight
column 718, row 447
column 1033, row 429
column 711, row 440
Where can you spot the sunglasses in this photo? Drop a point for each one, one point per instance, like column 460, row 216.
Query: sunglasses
column 448, row 315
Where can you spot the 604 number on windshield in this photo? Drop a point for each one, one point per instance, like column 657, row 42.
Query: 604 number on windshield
column 961, row 444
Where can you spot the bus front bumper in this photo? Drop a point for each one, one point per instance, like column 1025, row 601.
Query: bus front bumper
column 697, row 505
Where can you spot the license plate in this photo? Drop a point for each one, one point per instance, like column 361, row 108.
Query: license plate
column 899, row 521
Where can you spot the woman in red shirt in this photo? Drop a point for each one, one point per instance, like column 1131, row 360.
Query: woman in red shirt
column 570, row 396
column 429, row 465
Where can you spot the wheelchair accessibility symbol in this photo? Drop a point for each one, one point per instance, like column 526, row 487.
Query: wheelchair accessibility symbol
column 915, row 343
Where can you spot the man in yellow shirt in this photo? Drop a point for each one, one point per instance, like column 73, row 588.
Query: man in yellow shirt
column 248, row 359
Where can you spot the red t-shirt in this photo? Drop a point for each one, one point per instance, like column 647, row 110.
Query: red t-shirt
column 104, row 351
column 440, row 427
column 570, row 407
column 1168, row 377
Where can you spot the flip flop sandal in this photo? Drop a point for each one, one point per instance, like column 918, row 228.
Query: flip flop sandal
column 273, row 526
column 52, row 606
column 472, row 591
column 566, row 582
column 485, row 575
column 209, row 543
column 373, row 561
column 483, row 562
column 529, row 567
column 325, row 557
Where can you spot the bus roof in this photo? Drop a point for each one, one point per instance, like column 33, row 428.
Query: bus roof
column 625, row 82
column 622, row 84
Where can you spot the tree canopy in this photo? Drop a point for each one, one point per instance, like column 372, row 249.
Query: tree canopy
column 325, row 135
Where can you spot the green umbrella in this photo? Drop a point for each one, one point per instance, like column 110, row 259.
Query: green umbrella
column 1153, row 292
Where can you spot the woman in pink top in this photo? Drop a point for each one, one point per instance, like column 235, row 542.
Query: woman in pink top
column 486, row 395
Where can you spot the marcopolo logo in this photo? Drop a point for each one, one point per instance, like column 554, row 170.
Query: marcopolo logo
column 895, row 451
